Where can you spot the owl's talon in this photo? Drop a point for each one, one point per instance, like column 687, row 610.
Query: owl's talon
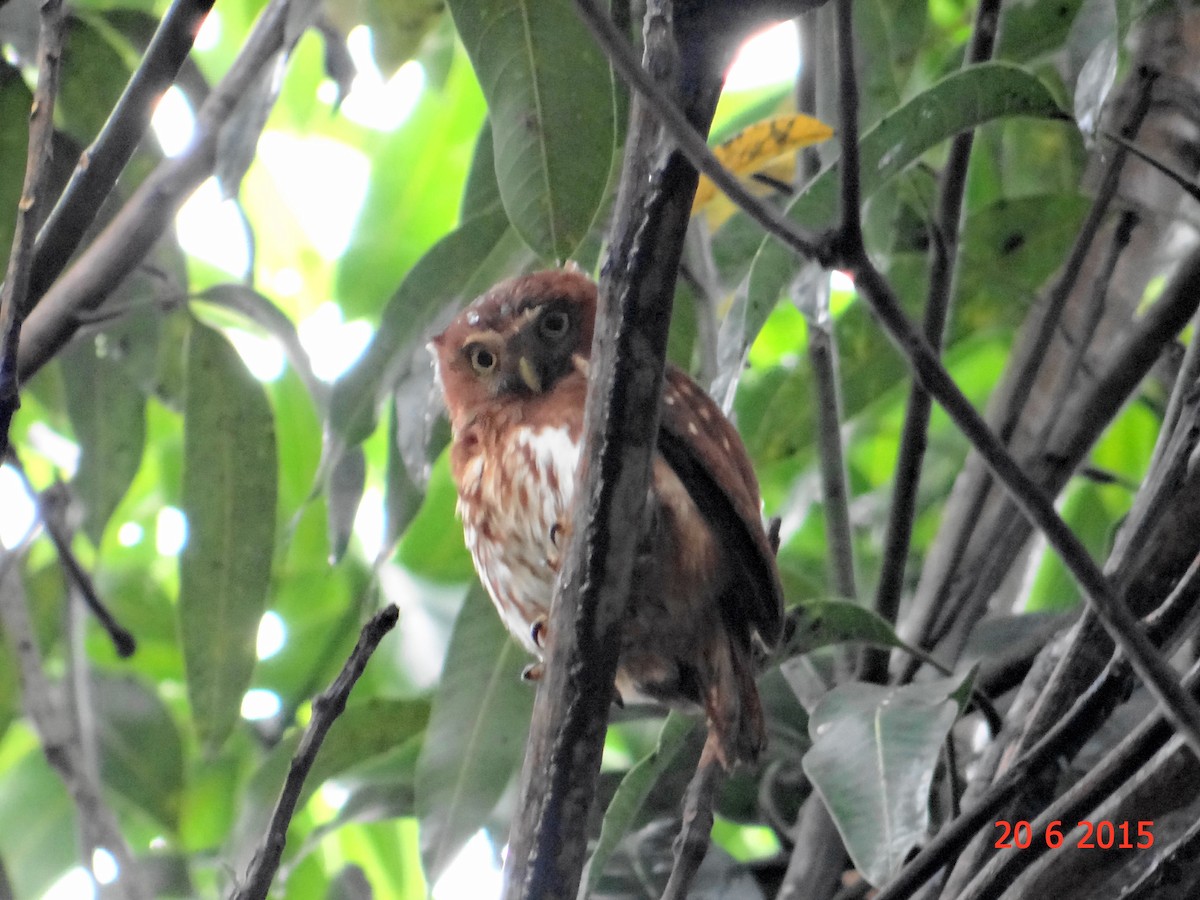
column 537, row 631
column 533, row 672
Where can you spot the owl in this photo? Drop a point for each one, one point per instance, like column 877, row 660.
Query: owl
column 706, row 599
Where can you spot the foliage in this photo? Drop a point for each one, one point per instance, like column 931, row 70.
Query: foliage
column 247, row 425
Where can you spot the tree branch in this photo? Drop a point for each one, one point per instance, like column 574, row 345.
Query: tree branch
column 325, row 709
column 14, row 293
column 548, row 841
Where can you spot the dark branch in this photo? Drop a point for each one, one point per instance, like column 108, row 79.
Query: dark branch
column 52, row 520
column 325, row 710
column 929, row 616
column 562, row 761
column 691, row 845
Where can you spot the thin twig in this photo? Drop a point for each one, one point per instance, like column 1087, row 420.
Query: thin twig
column 102, row 162
column 14, row 292
column 120, row 247
column 1190, row 187
column 691, row 845
column 943, row 274
column 52, row 520
column 849, row 191
column 835, row 491
column 325, row 710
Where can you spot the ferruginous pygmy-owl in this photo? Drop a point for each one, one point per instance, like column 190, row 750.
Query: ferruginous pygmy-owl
column 514, row 369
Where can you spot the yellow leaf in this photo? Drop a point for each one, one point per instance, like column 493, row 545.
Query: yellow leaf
column 765, row 147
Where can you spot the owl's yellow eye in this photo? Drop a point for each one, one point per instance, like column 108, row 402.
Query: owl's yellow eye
column 554, row 324
column 482, row 359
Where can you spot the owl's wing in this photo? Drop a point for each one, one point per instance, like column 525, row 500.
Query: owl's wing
column 707, row 454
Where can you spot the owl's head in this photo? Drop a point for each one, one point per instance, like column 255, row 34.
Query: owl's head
column 517, row 340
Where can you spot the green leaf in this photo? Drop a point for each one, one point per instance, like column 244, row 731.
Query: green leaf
column 108, row 414
column 872, row 760
column 439, row 280
column 550, row 102
column 626, row 804
column 1033, row 29
column 481, row 190
column 476, row 733
column 961, row 101
column 403, row 495
column 229, row 487
column 141, row 755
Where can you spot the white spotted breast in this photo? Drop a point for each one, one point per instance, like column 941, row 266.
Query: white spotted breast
column 515, row 503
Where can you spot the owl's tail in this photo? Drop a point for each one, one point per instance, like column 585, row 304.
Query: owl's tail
column 737, row 729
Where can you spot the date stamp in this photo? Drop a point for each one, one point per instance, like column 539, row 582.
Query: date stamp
column 1102, row 835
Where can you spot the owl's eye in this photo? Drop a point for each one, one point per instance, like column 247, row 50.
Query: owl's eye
column 554, row 324
column 482, row 359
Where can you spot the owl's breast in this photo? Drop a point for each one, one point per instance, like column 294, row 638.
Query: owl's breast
column 514, row 497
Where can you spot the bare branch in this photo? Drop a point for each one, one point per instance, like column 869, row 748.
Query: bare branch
column 548, row 842
column 325, row 709
column 52, row 520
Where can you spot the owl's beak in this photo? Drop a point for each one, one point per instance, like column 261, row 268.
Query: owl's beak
column 529, row 374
